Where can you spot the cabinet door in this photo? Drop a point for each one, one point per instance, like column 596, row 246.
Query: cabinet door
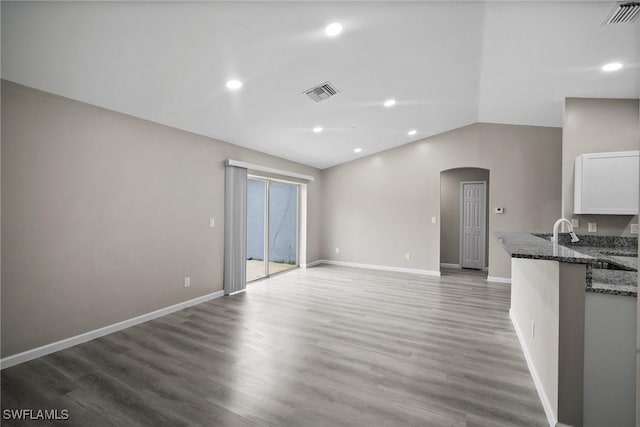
column 607, row 183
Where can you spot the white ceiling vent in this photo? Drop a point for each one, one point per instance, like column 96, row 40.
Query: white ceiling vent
column 623, row 13
column 321, row 92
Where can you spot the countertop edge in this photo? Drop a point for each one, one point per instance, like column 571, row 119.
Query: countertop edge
column 523, row 245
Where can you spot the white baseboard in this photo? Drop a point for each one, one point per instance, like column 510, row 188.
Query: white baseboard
column 552, row 419
column 456, row 266
column 25, row 356
column 311, row 264
column 447, row 265
column 380, row 267
column 499, row 279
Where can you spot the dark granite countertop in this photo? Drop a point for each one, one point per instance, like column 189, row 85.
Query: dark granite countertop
column 615, row 282
column 617, row 254
column 526, row 245
column 627, row 261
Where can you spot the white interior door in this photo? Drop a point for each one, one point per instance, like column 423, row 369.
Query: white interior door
column 473, row 230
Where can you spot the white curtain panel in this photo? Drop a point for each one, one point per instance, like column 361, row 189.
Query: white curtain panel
column 235, row 229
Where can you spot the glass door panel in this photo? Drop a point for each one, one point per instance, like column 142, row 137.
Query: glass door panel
column 256, row 221
column 283, row 226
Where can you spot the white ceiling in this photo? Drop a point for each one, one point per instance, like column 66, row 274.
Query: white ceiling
column 448, row 64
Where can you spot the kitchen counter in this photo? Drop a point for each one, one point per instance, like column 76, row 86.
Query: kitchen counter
column 526, row 245
column 573, row 317
column 594, row 251
column 614, row 282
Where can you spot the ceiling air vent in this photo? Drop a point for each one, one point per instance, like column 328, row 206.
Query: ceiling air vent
column 321, row 92
column 623, row 13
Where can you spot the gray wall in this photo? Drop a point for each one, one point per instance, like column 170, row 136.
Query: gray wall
column 609, row 360
column 450, row 211
column 105, row 214
column 593, row 126
column 398, row 191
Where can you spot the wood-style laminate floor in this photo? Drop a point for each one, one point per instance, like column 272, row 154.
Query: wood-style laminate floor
column 327, row 346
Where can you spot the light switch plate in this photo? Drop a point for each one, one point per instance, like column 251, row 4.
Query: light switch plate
column 575, row 223
column 337, row 250
column 634, row 228
column 592, row 227
column 434, row 220
column 187, row 282
column 212, row 222
column 407, row 256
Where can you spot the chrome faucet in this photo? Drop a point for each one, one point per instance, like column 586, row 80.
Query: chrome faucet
column 556, row 226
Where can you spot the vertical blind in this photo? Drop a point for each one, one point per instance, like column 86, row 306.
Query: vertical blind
column 235, row 229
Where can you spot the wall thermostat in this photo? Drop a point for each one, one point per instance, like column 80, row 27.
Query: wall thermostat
column 498, row 210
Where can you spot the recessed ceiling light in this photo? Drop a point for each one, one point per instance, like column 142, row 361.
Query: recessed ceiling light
column 317, row 129
column 412, row 132
column 234, row 84
column 612, row 66
column 389, row 102
column 333, row 29
column 357, row 150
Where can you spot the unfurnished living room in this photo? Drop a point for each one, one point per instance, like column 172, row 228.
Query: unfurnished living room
column 320, row 213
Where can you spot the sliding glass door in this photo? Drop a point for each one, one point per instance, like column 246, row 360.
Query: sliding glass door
column 272, row 227
column 283, row 226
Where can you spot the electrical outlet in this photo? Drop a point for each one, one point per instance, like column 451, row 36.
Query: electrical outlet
column 337, row 250
column 592, row 227
column 575, row 223
column 187, row 282
column 212, row 222
column 407, row 256
column 533, row 329
column 634, row 228
column 434, row 220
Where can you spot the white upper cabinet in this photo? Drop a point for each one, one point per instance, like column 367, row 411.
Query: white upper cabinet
column 607, row 183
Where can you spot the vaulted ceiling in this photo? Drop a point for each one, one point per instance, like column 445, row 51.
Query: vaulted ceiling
column 447, row 64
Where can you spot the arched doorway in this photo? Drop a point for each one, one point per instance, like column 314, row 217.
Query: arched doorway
column 464, row 225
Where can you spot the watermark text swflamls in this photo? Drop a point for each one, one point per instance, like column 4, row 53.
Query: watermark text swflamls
column 35, row 414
